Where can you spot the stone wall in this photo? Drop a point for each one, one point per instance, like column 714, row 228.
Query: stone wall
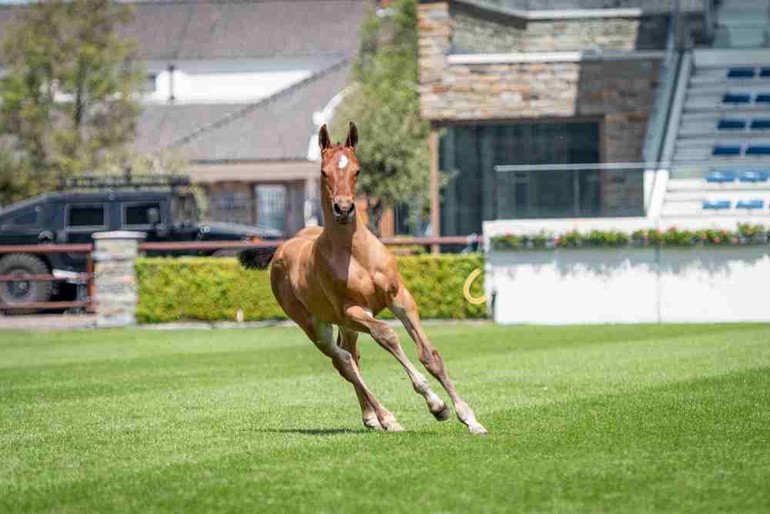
column 478, row 31
column 473, row 34
column 619, row 92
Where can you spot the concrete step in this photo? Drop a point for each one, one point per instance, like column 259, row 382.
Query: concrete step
column 685, row 155
column 696, row 209
column 703, row 131
column 704, row 195
column 714, row 116
column 712, row 85
column 700, row 185
column 723, row 139
column 714, row 103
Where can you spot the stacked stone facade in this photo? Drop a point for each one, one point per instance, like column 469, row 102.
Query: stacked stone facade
column 619, row 92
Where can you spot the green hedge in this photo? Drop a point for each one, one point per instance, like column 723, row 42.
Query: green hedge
column 214, row 289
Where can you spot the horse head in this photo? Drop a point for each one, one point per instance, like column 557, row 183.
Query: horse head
column 339, row 173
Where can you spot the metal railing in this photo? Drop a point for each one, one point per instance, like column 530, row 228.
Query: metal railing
column 83, row 281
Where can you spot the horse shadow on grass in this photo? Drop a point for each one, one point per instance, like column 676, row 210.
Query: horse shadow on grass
column 314, row 431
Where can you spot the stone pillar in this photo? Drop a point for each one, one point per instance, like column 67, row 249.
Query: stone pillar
column 116, row 293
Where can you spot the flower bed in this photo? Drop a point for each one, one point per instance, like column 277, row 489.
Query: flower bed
column 745, row 234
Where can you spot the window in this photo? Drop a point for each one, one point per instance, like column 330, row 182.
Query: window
column 25, row 218
column 475, row 192
column 139, row 214
column 271, row 206
column 149, row 85
column 86, row 216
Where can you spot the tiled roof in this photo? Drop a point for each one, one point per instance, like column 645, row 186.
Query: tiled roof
column 239, row 29
column 275, row 128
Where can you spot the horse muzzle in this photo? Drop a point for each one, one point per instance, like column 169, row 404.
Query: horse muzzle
column 344, row 212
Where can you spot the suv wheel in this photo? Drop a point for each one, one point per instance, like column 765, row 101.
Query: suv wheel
column 20, row 293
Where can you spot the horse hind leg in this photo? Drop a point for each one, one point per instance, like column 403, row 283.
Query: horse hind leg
column 363, row 319
column 405, row 309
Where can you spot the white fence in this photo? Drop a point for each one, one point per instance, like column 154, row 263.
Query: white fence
column 630, row 285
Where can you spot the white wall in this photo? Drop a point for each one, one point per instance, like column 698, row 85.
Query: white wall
column 631, row 285
column 228, row 80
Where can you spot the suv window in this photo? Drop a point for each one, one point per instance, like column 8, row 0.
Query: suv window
column 27, row 218
column 86, row 216
column 139, row 214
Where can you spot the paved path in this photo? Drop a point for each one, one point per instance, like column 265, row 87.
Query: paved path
column 47, row 322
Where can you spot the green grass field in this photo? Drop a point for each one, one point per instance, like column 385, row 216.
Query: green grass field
column 615, row 418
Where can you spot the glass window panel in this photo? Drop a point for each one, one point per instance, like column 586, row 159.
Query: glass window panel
column 139, row 214
column 86, row 216
column 271, row 206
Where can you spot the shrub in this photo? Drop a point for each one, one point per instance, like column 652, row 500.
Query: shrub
column 744, row 235
column 214, row 289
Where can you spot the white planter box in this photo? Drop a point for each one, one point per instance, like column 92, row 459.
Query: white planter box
column 630, row 285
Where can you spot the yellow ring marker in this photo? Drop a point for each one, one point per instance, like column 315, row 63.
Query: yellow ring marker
column 467, row 289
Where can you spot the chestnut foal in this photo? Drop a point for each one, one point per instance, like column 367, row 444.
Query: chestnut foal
column 343, row 275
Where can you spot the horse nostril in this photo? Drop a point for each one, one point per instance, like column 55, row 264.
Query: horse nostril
column 337, row 209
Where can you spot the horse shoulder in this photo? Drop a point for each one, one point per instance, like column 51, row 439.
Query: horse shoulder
column 385, row 274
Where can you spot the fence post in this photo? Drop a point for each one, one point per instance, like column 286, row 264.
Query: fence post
column 116, row 292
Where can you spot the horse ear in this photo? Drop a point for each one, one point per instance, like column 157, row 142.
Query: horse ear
column 352, row 140
column 324, row 141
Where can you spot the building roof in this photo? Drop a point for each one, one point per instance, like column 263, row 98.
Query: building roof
column 275, row 128
column 227, row 29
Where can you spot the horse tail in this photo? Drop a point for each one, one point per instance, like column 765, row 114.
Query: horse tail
column 256, row 258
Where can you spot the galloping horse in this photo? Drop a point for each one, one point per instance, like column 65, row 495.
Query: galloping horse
column 343, row 275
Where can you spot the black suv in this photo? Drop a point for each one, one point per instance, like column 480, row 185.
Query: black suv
column 163, row 207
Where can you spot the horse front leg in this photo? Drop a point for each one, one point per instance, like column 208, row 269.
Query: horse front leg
column 363, row 320
column 404, row 308
column 346, row 366
column 347, row 339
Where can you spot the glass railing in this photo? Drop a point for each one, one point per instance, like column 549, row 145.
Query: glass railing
column 546, row 5
column 569, row 190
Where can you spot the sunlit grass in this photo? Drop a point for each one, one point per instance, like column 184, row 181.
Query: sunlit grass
column 615, row 418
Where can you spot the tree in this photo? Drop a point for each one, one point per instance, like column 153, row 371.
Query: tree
column 384, row 102
column 67, row 101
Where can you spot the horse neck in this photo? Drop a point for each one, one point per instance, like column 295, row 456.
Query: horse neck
column 339, row 235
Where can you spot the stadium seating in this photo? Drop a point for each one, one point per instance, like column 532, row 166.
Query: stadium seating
column 716, row 205
column 750, row 204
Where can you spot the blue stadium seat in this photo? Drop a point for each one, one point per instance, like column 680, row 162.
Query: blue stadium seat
column 736, row 98
column 760, row 124
column 731, row 124
column 758, row 149
column 716, row 205
column 764, row 73
column 726, row 150
column 740, row 73
column 763, row 98
column 754, row 176
column 750, row 204
column 720, row 177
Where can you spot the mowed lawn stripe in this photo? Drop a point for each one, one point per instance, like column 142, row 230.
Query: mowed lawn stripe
column 582, row 418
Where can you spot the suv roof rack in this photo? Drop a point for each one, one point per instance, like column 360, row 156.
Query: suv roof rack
column 125, row 181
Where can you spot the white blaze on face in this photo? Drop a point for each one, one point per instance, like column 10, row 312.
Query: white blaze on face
column 342, row 162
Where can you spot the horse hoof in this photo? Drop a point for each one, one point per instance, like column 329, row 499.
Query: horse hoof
column 373, row 424
column 477, row 430
column 394, row 427
column 443, row 414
